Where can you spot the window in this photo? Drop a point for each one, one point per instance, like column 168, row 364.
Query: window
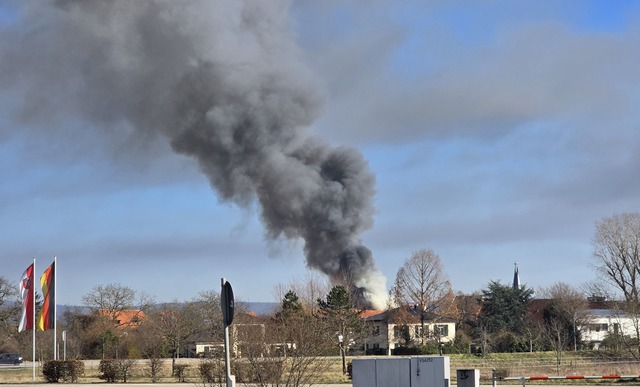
column 599, row 327
column 401, row 332
column 441, row 330
column 375, row 330
column 418, row 331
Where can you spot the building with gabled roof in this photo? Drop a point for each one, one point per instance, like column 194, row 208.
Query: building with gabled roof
column 403, row 327
column 126, row 318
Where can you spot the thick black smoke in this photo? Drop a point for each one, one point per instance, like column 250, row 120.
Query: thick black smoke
column 222, row 80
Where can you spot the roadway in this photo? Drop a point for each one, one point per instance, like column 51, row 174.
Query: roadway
column 237, row 385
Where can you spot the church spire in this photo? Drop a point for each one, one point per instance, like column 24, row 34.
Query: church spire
column 516, row 276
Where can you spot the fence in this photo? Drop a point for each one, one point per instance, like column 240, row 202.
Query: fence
column 524, row 379
column 538, row 364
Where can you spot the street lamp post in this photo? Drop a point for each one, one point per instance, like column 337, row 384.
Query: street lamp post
column 64, row 345
column 342, row 354
column 575, row 342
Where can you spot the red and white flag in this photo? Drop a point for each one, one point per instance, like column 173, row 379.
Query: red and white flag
column 26, row 293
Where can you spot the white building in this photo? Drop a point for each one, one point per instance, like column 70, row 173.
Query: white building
column 403, row 327
column 602, row 322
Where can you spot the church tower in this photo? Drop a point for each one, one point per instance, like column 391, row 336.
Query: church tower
column 516, row 277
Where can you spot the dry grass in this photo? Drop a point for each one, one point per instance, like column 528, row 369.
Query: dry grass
column 139, row 373
column 512, row 365
column 546, row 363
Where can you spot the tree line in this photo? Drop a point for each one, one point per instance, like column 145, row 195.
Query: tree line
column 119, row 322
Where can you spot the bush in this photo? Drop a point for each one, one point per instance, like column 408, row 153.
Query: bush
column 109, row 370
column 500, row 373
column 124, row 365
column 68, row 370
column 154, row 368
column 376, row 351
column 262, row 372
column 74, row 369
column 405, row 351
column 506, row 341
column 211, row 372
column 180, row 372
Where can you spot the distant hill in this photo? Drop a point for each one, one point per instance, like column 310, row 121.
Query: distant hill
column 61, row 309
column 259, row 308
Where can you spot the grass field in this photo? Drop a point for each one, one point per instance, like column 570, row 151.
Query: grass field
column 512, row 365
column 139, row 372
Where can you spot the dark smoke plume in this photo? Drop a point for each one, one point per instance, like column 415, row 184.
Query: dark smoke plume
column 223, row 81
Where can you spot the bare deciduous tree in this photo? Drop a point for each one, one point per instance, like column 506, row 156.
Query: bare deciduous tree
column 422, row 281
column 309, row 289
column 288, row 349
column 151, row 345
column 557, row 337
column 112, row 299
column 568, row 304
column 179, row 324
column 9, row 314
column 208, row 304
column 108, row 302
column 616, row 246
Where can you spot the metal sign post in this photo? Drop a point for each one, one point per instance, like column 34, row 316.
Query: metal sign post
column 228, row 305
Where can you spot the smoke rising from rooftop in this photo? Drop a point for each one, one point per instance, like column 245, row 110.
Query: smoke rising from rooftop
column 223, row 82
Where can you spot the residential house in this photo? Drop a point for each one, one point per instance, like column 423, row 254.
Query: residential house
column 388, row 330
column 600, row 319
column 246, row 328
column 127, row 318
column 404, row 327
column 605, row 318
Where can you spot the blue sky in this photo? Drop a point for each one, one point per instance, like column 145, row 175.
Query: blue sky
column 498, row 132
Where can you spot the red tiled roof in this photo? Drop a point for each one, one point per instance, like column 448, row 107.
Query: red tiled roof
column 127, row 317
column 370, row 312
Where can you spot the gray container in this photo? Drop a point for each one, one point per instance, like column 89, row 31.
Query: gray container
column 468, row 378
column 421, row 371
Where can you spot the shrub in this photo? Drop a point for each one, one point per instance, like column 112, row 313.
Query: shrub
column 124, row 366
column 109, row 370
column 376, row 351
column 404, row 351
column 210, row 372
column 68, row 370
column 155, row 365
column 52, row 371
column 500, row 373
column 73, row 369
column 180, row 372
column 259, row 371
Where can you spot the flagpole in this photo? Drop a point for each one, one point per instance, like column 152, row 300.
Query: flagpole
column 33, row 325
column 55, row 315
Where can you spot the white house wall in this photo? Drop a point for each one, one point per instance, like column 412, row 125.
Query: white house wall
column 604, row 322
column 382, row 335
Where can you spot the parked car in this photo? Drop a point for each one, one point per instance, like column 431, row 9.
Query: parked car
column 10, row 358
